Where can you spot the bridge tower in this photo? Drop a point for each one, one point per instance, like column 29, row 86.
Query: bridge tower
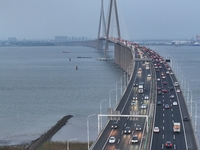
column 101, row 22
column 112, row 6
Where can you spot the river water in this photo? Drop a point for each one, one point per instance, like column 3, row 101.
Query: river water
column 40, row 85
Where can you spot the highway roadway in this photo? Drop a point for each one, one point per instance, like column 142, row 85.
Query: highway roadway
column 123, row 141
column 164, row 117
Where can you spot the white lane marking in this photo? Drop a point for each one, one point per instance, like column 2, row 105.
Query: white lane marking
column 163, row 136
column 124, row 124
column 174, row 136
column 118, row 141
column 174, row 146
column 163, row 114
column 162, row 146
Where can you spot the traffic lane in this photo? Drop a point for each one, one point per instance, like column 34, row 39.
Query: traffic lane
column 189, row 131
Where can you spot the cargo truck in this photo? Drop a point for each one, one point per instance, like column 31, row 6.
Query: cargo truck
column 177, row 127
column 141, row 87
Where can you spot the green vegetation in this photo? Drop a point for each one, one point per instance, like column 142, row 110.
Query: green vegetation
column 63, row 146
column 53, row 146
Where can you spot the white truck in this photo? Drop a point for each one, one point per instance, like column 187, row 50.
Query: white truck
column 141, row 87
column 177, row 127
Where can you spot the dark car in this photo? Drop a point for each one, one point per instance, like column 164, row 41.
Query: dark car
column 167, row 106
column 168, row 144
column 186, row 118
column 171, row 88
column 114, row 125
column 159, row 102
column 127, row 130
column 138, row 128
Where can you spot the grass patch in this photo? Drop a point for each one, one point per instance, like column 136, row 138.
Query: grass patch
column 63, row 146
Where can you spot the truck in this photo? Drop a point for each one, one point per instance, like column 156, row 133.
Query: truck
column 177, row 127
column 141, row 87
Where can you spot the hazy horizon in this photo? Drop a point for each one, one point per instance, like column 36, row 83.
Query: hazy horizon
column 155, row 19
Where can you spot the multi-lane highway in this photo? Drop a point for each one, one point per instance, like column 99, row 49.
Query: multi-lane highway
column 142, row 73
column 168, row 104
column 168, row 109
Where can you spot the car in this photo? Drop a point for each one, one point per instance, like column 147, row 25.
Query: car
column 133, row 103
column 167, row 72
column 159, row 92
column 134, row 139
column 176, row 84
column 175, row 103
column 158, row 79
column 156, row 129
column 164, row 91
column 158, row 88
column 135, row 98
column 112, row 139
column 149, row 75
column 172, row 96
column 135, row 85
column 159, row 102
column 146, row 97
column 168, row 144
column 178, row 90
column 163, row 77
column 167, row 106
column 186, row 118
column 171, row 88
column 138, row 128
column 144, row 106
column 114, row 125
column 127, row 130
column 165, row 83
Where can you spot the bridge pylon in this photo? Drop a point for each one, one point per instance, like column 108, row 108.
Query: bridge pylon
column 112, row 6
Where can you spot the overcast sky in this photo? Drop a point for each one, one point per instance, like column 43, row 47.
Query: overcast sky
column 139, row 19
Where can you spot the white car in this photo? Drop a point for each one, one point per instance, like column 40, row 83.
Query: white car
column 149, row 75
column 176, row 84
column 143, row 106
column 158, row 79
column 178, row 90
column 134, row 139
column 112, row 139
column 146, row 97
column 175, row 103
column 133, row 103
column 156, row 129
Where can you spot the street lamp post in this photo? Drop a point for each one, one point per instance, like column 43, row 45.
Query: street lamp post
column 69, row 141
column 110, row 98
column 88, row 134
column 190, row 103
column 101, row 111
column 187, row 91
column 122, row 82
column 116, row 91
column 195, row 119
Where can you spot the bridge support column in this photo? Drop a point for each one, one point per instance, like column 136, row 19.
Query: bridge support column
column 99, row 45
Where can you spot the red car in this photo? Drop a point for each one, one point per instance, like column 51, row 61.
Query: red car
column 165, row 83
column 168, row 144
column 164, row 91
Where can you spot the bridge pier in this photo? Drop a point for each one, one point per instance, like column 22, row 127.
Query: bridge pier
column 123, row 56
